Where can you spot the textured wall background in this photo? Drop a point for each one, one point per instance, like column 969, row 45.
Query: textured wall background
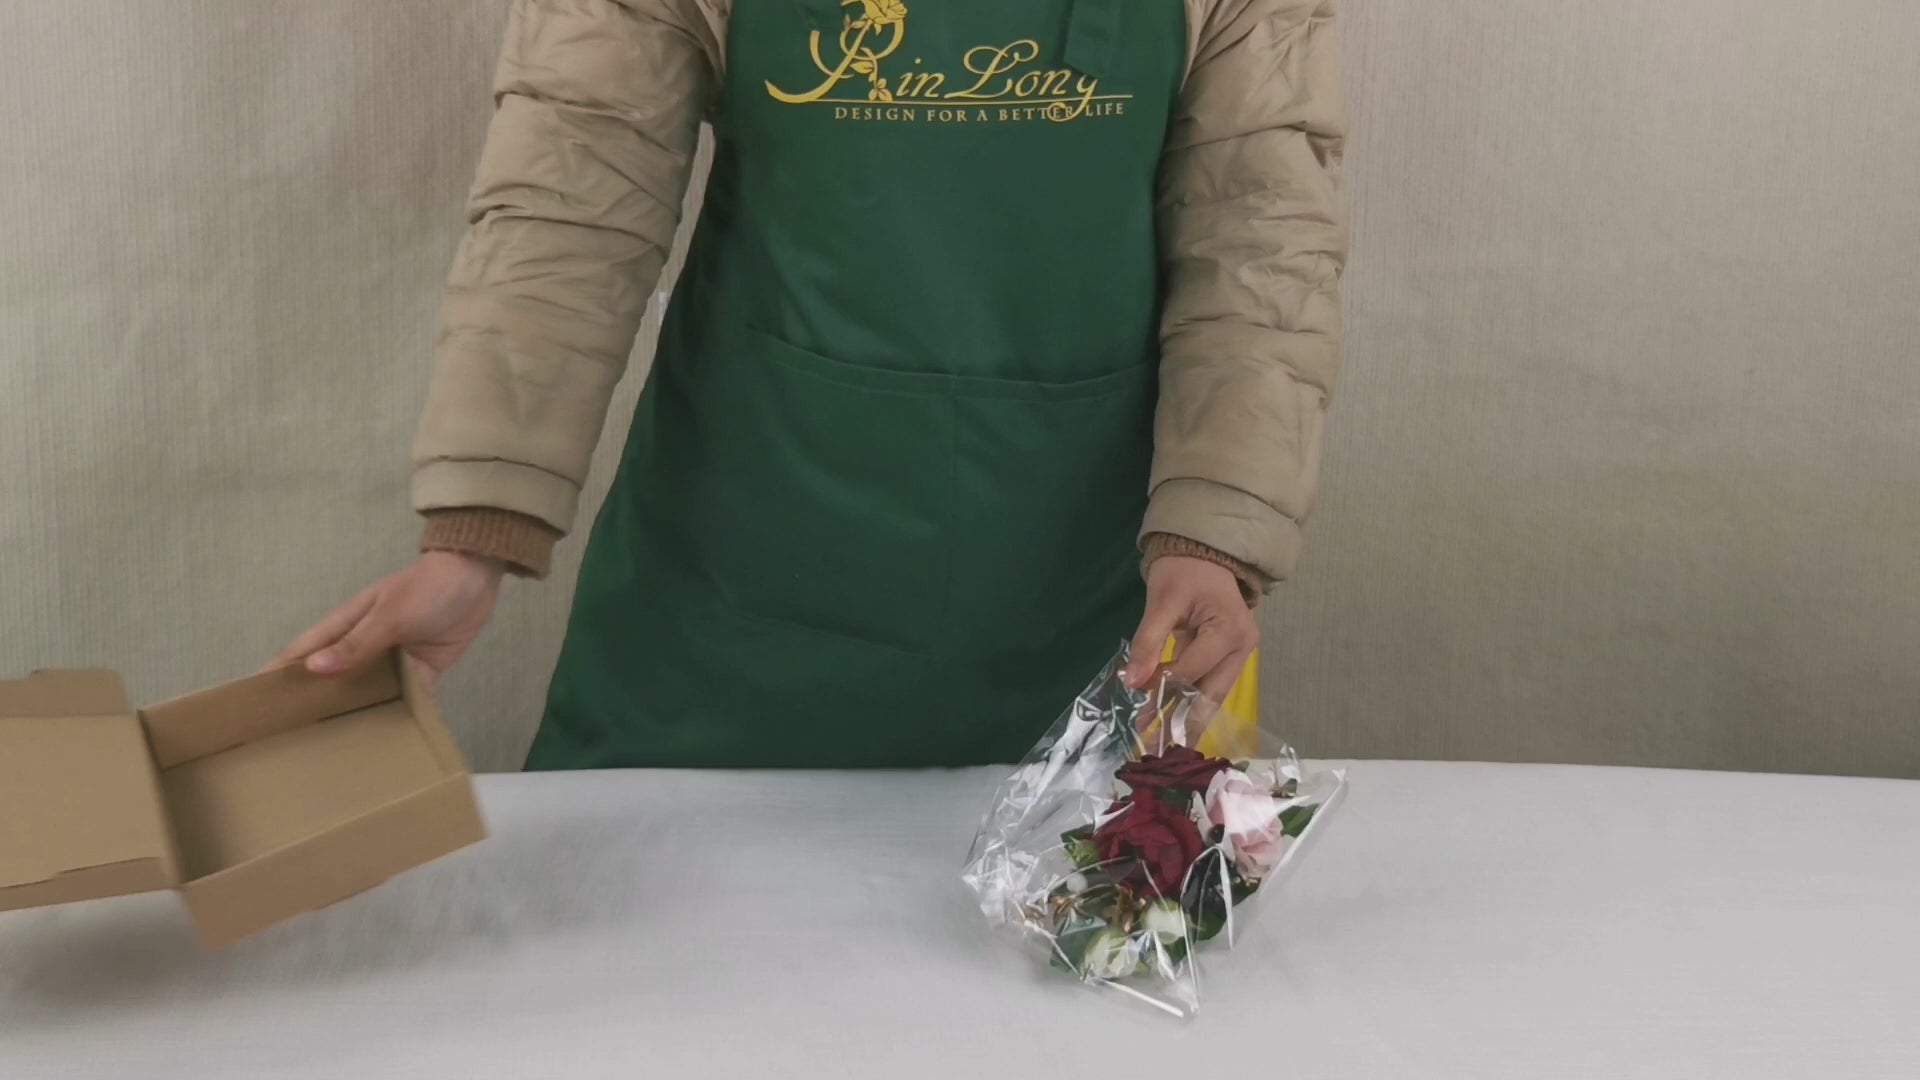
column 1626, row 465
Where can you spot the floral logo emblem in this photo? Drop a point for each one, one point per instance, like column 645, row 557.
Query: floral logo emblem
column 878, row 13
column 1014, row 82
column 866, row 39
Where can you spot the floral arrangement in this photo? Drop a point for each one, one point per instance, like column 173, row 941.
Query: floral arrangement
column 1123, row 856
column 1162, row 868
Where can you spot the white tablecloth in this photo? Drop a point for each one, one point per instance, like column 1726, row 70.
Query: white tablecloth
column 1458, row 921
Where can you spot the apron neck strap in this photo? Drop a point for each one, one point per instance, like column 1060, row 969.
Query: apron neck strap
column 821, row 14
column 1093, row 29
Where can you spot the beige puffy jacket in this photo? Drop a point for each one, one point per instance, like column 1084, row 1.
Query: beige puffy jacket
column 579, row 195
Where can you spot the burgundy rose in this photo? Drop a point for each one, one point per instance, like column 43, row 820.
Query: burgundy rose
column 1178, row 769
column 1160, row 840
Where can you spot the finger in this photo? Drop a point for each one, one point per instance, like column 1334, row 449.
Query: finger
column 1211, row 647
column 423, row 670
column 327, row 630
column 1150, row 643
column 1182, row 638
column 371, row 637
column 1217, row 684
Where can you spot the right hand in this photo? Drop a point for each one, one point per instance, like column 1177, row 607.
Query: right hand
column 432, row 610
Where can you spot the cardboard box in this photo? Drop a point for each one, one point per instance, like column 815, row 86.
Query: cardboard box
column 257, row 800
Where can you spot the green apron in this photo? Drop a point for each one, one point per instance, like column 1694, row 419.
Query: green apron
column 880, row 500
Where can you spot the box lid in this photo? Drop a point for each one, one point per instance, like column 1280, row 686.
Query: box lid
column 81, row 814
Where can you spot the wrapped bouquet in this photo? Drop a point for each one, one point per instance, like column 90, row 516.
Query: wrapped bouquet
column 1123, row 850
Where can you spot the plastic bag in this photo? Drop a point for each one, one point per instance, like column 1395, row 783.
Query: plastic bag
column 1125, row 853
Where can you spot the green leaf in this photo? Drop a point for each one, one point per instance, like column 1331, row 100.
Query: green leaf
column 1100, row 880
column 1083, row 853
column 1203, row 900
column 1178, row 799
column 1084, row 832
column 1294, row 819
column 1208, row 927
column 1070, row 947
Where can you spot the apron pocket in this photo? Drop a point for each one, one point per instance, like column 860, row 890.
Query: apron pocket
column 818, row 490
column 1049, row 489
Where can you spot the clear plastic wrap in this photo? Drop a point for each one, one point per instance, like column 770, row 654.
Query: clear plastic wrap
column 1125, row 853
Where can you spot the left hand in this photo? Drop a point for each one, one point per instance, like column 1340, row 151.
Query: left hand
column 1199, row 605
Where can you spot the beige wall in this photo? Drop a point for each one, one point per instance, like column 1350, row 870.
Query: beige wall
column 1626, row 466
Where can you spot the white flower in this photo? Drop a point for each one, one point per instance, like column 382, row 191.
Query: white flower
column 1111, row 955
column 1076, row 883
column 1165, row 921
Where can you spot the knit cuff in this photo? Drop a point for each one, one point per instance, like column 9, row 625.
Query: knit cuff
column 524, row 543
column 1253, row 584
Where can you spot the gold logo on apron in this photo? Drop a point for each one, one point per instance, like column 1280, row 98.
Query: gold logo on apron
column 1007, row 82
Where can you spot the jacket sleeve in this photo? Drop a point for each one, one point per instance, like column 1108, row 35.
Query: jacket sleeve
column 1253, row 231
column 572, row 216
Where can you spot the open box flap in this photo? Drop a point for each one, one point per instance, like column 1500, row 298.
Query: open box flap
column 81, row 814
column 212, row 721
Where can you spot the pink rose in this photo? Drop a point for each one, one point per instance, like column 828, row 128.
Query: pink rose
column 1251, row 816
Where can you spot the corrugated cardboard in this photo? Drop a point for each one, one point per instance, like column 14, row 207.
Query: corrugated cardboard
column 258, row 800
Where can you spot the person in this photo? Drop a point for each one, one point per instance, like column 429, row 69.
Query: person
column 990, row 303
